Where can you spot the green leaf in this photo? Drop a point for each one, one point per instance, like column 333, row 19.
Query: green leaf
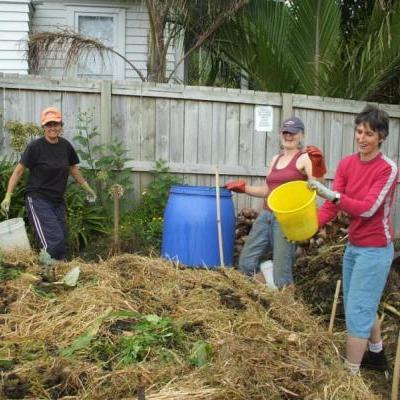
column 81, row 140
column 201, row 353
column 85, row 339
column 153, row 318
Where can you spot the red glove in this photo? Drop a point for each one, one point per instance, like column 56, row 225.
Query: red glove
column 236, row 186
column 317, row 161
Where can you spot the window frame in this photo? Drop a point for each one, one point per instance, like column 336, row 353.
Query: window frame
column 119, row 17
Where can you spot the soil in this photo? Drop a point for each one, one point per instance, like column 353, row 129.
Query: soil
column 15, row 387
column 7, row 297
column 231, row 300
column 122, row 325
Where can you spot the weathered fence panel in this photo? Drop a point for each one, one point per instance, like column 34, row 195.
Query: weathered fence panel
column 194, row 129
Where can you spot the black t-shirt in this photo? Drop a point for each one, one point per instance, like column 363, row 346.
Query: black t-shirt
column 48, row 166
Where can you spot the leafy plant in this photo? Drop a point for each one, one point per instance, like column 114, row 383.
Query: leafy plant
column 44, row 293
column 83, row 341
column 105, row 162
column 145, row 221
column 150, row 335
column 201, row 353
column 84, row 221
column 21, row 133
column 8, row 274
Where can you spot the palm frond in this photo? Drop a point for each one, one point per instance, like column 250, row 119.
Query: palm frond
column 314, row 41
column 73, row 46
column 256, row 40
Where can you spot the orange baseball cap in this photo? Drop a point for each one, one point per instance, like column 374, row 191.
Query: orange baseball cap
column 50, row 114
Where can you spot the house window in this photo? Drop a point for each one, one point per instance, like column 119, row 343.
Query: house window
column 108, row 26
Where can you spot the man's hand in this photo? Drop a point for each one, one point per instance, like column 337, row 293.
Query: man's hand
column 317, row 161
column 238, row 186
column 91, row 194
column 5, row 204
column 322, row 190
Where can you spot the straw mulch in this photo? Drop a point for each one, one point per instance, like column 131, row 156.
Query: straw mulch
column 265, row 344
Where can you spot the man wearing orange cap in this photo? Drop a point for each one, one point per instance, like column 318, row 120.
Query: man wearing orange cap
column 50, row 160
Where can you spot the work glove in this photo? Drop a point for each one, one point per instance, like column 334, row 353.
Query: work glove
column 322, row 190
column 238, row 186
column 5, row 204
column 47, row 263
column 317, row 161
column 91, row 194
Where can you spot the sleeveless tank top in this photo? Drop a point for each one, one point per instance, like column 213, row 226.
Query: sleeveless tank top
column 278, row 176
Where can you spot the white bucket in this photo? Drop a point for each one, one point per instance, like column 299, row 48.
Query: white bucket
column 13, row 235
column 267, row 269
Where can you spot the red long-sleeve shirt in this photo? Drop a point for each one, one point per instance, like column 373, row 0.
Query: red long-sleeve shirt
column 367, row 192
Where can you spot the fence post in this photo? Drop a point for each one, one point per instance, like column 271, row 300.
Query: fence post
column 105, row 111
column 287, row 106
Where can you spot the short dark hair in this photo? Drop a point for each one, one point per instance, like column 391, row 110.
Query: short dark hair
column 377, row 119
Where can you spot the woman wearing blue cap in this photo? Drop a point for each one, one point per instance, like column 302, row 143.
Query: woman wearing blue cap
column 291, row 164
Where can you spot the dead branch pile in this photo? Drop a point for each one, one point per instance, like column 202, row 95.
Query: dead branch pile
column 244, row 222
column 261, row 344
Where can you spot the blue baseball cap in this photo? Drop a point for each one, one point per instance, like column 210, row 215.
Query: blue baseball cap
column 292, row 125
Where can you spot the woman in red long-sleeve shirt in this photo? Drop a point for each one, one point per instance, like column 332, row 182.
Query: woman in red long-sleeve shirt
column 364, row 188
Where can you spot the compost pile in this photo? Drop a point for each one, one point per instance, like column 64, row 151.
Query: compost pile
column 137, row 327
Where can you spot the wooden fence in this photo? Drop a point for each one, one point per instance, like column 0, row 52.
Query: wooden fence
column 194, row 129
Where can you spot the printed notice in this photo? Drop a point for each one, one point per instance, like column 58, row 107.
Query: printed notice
column 263, row 117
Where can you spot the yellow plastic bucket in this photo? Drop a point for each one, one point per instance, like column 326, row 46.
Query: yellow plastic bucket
column 293, row 204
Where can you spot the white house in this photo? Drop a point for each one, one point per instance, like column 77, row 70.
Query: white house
column 121, row 24
column 15, row 22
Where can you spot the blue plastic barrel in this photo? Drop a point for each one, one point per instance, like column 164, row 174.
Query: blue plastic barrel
column 190, row 231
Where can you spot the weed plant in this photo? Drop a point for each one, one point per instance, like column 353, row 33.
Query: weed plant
column 153, row 334
column 143, row 338
column 85, row 221
column 144, row 223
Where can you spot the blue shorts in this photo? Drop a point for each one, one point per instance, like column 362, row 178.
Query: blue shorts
column 365, row 271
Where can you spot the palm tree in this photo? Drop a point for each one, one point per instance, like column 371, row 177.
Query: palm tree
column 302, row 47
column 169, row 20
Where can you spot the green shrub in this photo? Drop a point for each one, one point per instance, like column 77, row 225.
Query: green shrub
column 85, row 221
column 21, row 133
column 144, row 223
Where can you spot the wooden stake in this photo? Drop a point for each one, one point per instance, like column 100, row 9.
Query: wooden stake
column 116, row 222
column 117, row 192
column 217, row 198
column 396, row 373
column 334, row 305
